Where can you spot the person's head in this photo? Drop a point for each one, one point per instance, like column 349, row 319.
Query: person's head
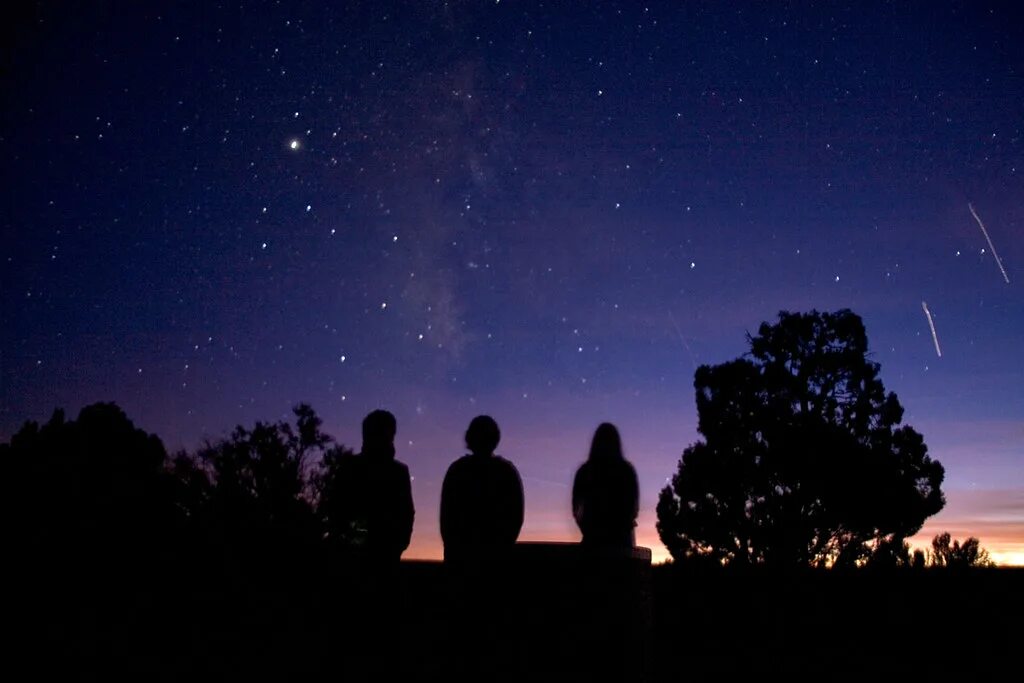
column 379, row 429
column 483, row 435
column 607, row 445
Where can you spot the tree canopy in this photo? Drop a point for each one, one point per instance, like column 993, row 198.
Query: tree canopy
column 804, row 460
column 88, row 485
column 260, row 480
column 956, row 555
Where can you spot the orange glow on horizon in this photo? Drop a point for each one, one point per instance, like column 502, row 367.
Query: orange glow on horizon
column 991, row 516
column 1005, row 553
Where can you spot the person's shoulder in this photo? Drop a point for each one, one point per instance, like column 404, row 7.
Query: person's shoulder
column 460, row 464
column 393, row 469
column 505, row 465
column 504, row 462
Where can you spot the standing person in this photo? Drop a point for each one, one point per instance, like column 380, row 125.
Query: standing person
column 368, row 506
column 605, row 493
column 481, row 516
column 481, row 499
column 367, row 510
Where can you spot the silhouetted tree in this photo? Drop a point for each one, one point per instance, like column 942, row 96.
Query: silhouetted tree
column 890, row 553
column 93, row 535
column 260, row 489
column 804, row 461
column 330, row 503
column 192, row 486
column 90, row 486
column 954, row 555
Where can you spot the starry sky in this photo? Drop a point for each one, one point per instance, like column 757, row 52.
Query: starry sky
column 549, row 213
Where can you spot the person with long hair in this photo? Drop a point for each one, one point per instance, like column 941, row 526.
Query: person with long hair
column 606, row 494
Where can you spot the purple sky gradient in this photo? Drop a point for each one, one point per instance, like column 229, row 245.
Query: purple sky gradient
column 548, row 215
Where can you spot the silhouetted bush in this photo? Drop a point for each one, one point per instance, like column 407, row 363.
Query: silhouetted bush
column 330, row 508
column 804, row 461
column 954, row 555
column 93, row 533
column 88, row 488
column 260, row 495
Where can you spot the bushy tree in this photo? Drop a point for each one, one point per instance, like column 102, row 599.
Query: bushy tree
column 804, row 459
column 260, row 488
column 332, row 503
column 954, row 555
column 91, row 486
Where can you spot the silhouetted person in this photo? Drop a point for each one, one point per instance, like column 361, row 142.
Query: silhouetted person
column 375, row 497
column 481, row 515
column 482, row 498
column 605, row 493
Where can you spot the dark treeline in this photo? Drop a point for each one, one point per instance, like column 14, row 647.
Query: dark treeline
column 224, row 563
column 274, row 551
column 263, row 552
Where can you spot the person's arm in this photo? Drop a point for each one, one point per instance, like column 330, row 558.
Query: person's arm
column 519, row 503
column 447, row 507
column 408, row 512
column 635, row 492
column 577, row 497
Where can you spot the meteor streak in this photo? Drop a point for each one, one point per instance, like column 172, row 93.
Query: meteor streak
column 679, row 333
column 931, row 324
column 991, row 246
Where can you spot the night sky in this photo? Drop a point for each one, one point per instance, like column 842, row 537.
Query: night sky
column 546, row 213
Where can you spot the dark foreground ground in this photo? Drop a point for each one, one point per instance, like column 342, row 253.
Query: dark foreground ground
column 551, row 613
column 926, row 625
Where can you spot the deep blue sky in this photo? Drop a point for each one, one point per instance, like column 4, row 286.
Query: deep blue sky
column 549, row 213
